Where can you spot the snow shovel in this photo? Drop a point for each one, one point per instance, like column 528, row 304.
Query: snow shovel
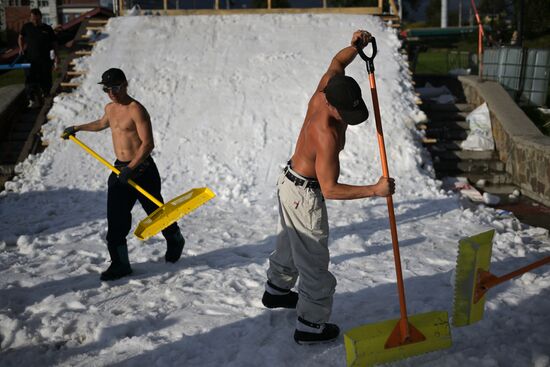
column 473, row 279
column 391, row 340
column 166, row 214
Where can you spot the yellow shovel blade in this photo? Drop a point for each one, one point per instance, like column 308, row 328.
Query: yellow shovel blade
column 172, row 211
column 365, row 345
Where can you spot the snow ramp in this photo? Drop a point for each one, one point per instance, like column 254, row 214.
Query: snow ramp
column 227, row 96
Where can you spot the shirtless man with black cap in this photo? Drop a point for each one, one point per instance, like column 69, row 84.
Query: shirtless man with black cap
column 310, row 177
column 133, row 143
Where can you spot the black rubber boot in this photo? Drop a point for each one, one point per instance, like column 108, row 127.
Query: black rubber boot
column 174, row 247
column 328, row 334
column 288, row 299
column 120, row 264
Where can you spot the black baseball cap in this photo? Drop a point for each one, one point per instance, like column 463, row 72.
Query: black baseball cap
column 113, row 77
column 344, row 94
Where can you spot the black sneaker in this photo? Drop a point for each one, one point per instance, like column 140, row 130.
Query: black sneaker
column 174, row 248
column 116, row 271
column 330, row 333
column 288, row 300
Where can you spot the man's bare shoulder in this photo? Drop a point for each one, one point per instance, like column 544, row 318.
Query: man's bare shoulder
column 136, row 106
column 109, row 107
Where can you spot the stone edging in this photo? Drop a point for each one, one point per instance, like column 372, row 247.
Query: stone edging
column 520, row 144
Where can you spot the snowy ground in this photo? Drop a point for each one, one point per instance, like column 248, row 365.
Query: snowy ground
column 227, row 96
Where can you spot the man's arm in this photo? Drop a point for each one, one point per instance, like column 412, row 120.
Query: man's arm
column 55, row 48
column 96, row 125
column 343, row 58
column 145, row 132
column 327, row 167
column 21, row 43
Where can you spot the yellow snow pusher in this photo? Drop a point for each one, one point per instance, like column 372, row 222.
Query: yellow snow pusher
column 166, row 214
column 390, row 340
column 473, row 278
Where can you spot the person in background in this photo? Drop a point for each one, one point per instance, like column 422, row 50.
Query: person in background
column 36, row 41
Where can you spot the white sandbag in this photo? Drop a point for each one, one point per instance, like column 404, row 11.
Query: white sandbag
column 480, row 136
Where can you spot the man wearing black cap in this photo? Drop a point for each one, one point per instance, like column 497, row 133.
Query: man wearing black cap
column 133, row 143
column 310, row 177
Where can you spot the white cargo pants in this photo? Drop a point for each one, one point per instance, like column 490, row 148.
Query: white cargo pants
column 302, row 250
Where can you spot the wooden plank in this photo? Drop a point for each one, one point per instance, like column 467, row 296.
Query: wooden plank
column 98, row 21
column 351, row 10
column 83, row 53
column 69, row 85
column 76, row 73
column 93, row 28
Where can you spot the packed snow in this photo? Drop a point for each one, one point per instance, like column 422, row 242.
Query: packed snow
column 227, row 96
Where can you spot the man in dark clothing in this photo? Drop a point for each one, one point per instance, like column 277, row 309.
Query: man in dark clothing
column 36, row 41
column 132, row 135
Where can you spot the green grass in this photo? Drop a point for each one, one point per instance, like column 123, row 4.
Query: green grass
column 12, row 77
column 432, row 62
column 441, row 61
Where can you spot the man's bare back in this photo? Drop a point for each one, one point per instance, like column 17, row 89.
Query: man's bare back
column 317, row 122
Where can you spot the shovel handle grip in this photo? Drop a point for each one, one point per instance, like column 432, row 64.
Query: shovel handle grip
column 364, row 56
column 115, row 170
column 368, row 59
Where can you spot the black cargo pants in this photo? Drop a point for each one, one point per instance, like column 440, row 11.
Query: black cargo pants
column 122, row 197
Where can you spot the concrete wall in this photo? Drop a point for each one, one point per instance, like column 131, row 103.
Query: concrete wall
column 520, row 144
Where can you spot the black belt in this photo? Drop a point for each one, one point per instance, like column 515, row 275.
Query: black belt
column 308, row 184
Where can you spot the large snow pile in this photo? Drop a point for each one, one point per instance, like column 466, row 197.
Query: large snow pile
column 227, row 96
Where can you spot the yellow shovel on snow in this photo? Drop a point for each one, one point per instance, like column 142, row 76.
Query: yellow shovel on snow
column 408, row 336
column 166, row 214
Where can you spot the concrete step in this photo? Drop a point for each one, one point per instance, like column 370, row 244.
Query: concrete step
column 466, row 166
column 435, row 145
column 21, row 126
column 492, row 177
column 18, row 135
column 447, row 116
column 10, row 150
column 429, row 107
column 447, row 134
column 3, row 180
column 464, row 155
column 455, row 125
column 7, row 169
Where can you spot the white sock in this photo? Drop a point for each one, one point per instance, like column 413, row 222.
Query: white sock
column 269, row 289
column 309, row 329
